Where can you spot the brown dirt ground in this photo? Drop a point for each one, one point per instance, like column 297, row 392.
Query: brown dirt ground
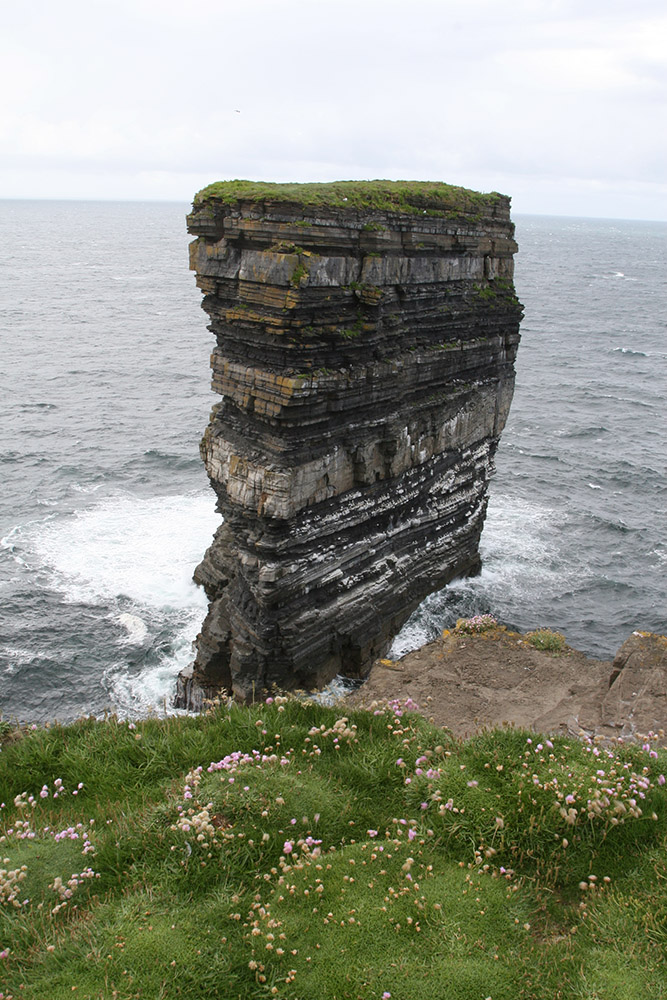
column 469, row 682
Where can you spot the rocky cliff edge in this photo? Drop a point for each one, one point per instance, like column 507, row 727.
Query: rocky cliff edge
column 467, row 682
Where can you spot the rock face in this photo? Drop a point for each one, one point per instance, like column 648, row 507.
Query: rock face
column 637, row 694
column 365, row 340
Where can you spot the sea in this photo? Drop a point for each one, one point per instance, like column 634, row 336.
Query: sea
column 105, row 508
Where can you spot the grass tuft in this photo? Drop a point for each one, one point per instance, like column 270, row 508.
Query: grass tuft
column 546, row 640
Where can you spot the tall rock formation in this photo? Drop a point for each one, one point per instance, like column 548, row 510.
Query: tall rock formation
column 365, row 340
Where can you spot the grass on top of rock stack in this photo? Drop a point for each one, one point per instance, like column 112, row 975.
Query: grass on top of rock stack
column 294, row 851
column 434, row 198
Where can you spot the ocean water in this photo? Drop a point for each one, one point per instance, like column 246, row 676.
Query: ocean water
column 576, row 531
column 105, row 508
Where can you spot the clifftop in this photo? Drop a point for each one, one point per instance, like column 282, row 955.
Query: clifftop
column 432, row 198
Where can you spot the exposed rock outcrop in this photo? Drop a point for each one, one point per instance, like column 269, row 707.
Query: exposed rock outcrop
column 469, row 682
column 365, row 340
column 636, row 701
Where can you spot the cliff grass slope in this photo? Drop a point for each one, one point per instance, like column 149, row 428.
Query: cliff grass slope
column 291, row 851
column 365, row 339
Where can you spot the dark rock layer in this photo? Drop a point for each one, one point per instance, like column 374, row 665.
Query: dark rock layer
column 364, row 356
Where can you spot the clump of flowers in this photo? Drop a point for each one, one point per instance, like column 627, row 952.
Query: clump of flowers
column 339, row 731
column 476, row 624
column 200, row 823
column 10, row 881
column 238, row 759
column 22, row 830
column 65, row 890
column 27, row 801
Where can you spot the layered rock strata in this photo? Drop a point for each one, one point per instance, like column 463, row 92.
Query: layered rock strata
column 365, row 340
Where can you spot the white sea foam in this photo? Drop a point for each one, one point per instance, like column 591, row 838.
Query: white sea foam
column 12, row 542
column 151, row 690
column 521, row 546
column 135, row 627
column 12, row 658
column 133, row 558
column 142, row 549
column 80, row 488
column 335, row 690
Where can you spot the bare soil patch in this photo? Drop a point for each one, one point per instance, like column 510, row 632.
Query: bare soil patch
column 468, row 682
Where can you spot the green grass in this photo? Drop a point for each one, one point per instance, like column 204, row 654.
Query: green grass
column 412, row 197
column 288, row 850
column 546, row 640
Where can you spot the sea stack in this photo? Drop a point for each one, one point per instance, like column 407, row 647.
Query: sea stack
column 365, row 340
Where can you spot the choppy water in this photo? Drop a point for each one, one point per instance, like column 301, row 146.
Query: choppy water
column 105, row 507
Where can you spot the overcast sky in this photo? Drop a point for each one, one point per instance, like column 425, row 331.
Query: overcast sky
column 559, row 103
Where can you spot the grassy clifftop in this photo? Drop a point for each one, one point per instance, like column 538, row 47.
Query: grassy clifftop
column 412, row 197
column 293, row 851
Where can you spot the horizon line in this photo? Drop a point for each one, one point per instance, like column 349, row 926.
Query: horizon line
column 180, row 201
